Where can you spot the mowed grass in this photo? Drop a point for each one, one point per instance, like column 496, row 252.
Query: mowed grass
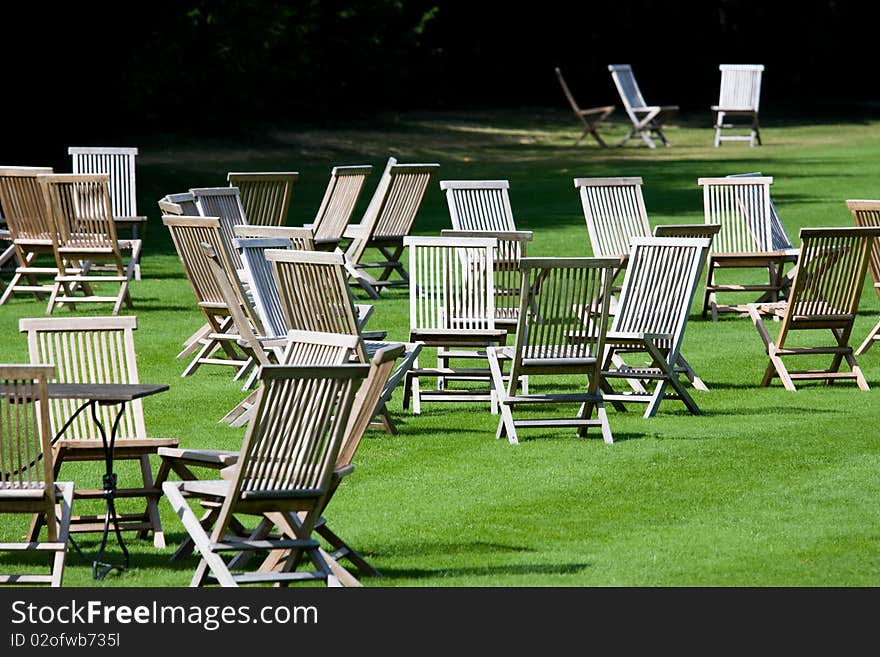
column 766, row 488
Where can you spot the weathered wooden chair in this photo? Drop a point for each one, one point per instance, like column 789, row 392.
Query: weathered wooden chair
column 315, row 296
column 85, row 234
column 748, row 239
column 98, row 350
column 452, row 310
column 188, row 234
column 652, row 314
column 265, row 195
column 338, row 204
column 387, row 220
column 590, row 117
column 225, row 204
column 867, row 213
column 27, row 477
column 30, row 229
column 824, row 297
column 479, row 204
column 119, row 164
column 284, row 472
column 563, row 319
column 739, row 96
column 647, row 120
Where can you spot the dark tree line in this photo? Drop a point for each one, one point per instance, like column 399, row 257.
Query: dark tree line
column 110, row 68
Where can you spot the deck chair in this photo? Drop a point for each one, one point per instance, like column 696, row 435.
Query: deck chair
column 338, row 204
column 655, row 301
column 315, row 296
column 284, row 469
column 181, row 204
column 867, row 213
column 746, row 240
column 85, row 234
column 589, row 118
column 98, row 350
column 387, row 220
column 27, row 478
column 647, row 120
column 225, row 204
column 452, row 309
column 824, row 297
column 216, row 342
column 739, row 96
column 119, row 164
column 563, row 319
column 265, row 195
column 30, row 229
column 479, row 204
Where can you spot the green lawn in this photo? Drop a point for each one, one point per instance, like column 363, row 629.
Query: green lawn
column 767, row 488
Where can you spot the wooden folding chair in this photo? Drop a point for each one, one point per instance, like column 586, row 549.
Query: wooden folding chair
column 30, row 229
column 452, row 310
column 315, row 296
column 284, row 472
column 119, row 164
column 563, row 319
column 98, row 350
column 265, row 195
column 338, row 204
column 739, row 96
column 387, row 220
column 824, row 297
column 589, row 118
column 27, row 477
column 85, row 234
column 748, row 239
column 181, row 204
column 188, row 234
column 655, row 300
column 647, row 120
column 867, row 213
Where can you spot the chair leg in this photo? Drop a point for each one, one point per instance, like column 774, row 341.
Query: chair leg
column 152, row 511
column 872, row 337
column 506, row 425
column 691, row 375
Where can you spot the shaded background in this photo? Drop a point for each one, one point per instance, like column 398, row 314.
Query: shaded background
column 105, row 72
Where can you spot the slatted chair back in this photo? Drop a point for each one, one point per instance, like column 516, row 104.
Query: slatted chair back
column 867, row 213
column 707, row 231
column 628, row 88
column 658, row 288
column 24, row 207
column 510, row 249
column 181, row 204
column 479, row 204
column 225, row 204
column 297, row 238
column 394, row 205
column 451, row 285
column 339, row 201
column 614, row 210
column 188, row 234
column 564, row 314
column 81, row 210
column 742, row 206
column 119, row 164
column 25, row 432
column 831, row 271
column 740, row 86
column 780, row 239
column 315, row 348
column 265, row 195
column 262, row 285
column 314, row 292
column 87, row 350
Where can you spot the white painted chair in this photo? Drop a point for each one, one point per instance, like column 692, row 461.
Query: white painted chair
column 479, row 204
column 647, row 120
column 739, row 96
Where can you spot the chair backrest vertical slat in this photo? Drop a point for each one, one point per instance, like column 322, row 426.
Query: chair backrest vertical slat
column 225, row 204
column 740, row 86
column 741, row 204
column 80, row 208
column 262, row 284
column 119, row 164
column 188, row 234
column 24, row 208
column 867, row 213
column 339, row 200
column 479, row 204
